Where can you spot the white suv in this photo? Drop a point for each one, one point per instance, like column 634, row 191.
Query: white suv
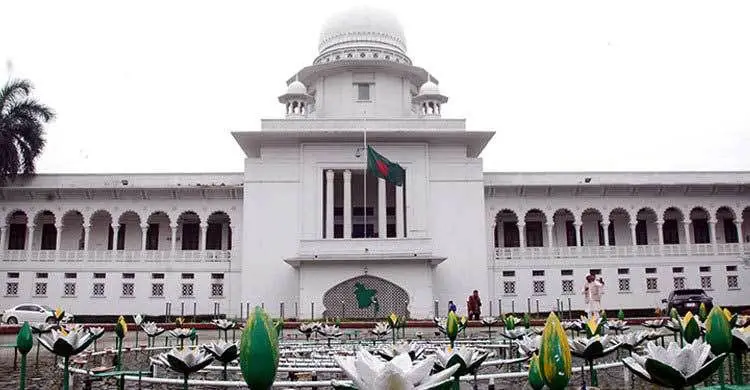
column 31, row 313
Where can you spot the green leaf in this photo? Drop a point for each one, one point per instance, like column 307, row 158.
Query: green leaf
column 621, row 315
column 665, row 375
column 706, row 371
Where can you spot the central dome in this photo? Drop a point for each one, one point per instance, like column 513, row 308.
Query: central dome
column 362, row 27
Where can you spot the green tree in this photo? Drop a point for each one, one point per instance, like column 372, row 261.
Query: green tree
column 22, row 120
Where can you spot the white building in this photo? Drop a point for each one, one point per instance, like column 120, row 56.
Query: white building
column 297, row 226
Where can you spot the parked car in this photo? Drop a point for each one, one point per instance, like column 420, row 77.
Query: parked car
column 688, row 299
column 32, row 313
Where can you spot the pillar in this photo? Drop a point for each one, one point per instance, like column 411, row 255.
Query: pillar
column 660, row 231
column 382, row 216
column 58, row 236
column 579, row 233
column 712, row 233
column 633, row 240
column 686, row 226
column 173, row 226
column 144, row 230
column 115, row 233
column 30, row 242
column 737, row 225
column 3, row 232
column 329, row 204
column 204, row 230
column 400, row 226
column 347, row 204
column 521, row 234
column 550, row 234
column 605, row 231
column 86, row 236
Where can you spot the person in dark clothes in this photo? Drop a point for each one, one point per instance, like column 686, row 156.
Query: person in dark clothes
column 474, row 305
column 451, row 306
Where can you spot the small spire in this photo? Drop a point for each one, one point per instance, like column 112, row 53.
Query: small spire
column 296, row 77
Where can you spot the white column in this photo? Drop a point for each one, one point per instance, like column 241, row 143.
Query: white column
column 58, row 236
column 605, row 231
column 400, row 228
column 521, row 234
column 740, row 237
column 3, row 232
column 578, row 232
column 686, row 226
column 144, row 230
column 30, row 242
column 347, row 204
column 173, row 226
column 382, row 216
column 329, row 204
column 204, row 230
column 633, row 240
column 86, row 236
column 550, row 234
column 115, row 233
column 660, row 231
column 712, row 232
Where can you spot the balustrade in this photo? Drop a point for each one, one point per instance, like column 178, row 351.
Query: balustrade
column 121, row 256
column 584, row 252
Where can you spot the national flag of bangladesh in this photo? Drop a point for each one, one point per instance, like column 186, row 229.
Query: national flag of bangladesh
column 384, row 168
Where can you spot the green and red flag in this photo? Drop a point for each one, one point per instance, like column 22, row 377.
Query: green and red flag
column 384, row 168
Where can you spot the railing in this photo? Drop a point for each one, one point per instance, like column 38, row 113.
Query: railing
column 120, row 256
column 599, row 252
column 365, row 246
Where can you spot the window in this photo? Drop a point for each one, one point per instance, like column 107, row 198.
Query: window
column 187, row 289
column 11, row 289
column 706, row 282
column 98, row 275
column 213, row 236
column 537, row 272
column 13, row 275
column 733, row 282
column 363, row 91
column 651, row 285
column 128, row 276
column 566, row 272
column 40, row 289
column 534, row 234
column 570, row 233
column 679, row 282
column 121, row 237
column 41, row 275
column 538, row 287
column 70, row 275
column 700, row 231
column 623, row 271
column 623, row 285
column 217, row 289
column 611, row 233
column 188, row 276
column 157, row 276
column 730, row 231
column 157, row 289
column 650, row 270
column 678, row 270
column 217, row 276
column 732, row 268
column 705, row 269
column 509, row 287
column 567, row 287
column 509, row 274
column 510, row 235
column 69, row 290
column 641, row 233
column 49, row 237
column 16, row 236
column 671, row 232
column 190, row 233
column 98, row 290
column 128, row 289
column 597, row 271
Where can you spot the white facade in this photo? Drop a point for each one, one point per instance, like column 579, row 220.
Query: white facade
column 298, row 222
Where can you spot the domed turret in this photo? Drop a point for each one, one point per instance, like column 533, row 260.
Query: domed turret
column 362, row 33
column 430, row 99
column 296, row 99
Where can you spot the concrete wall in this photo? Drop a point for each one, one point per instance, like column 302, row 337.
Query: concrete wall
column 336, row 95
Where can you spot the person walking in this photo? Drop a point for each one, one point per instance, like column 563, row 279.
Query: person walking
column 593, row 295
column 451, row 307
column 474, row 304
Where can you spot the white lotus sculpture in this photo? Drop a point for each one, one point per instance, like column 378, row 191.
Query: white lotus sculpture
column 529, row 345
column 468, row 359
column 381, row 329
column 370, row 373
column 632, row 340
column 390, row 351
column 675, row 367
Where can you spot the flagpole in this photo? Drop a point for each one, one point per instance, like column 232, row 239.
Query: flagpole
column 364, row 181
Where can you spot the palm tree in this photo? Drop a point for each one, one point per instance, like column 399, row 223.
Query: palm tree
column 22, row 120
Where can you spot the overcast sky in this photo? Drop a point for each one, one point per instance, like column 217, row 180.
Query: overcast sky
column 157, row 86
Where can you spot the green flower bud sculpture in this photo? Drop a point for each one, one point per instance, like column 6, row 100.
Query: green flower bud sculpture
column 259, row 351
column 690, row 328
column 279, row 326
column 621, row 315
column 121, row 329
column 392, row 321
column 24, row 343
column 702, row 312
column 526, row 321
column 718, row 335
column 535, row 374
column 451, row 327
column 554, row 355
